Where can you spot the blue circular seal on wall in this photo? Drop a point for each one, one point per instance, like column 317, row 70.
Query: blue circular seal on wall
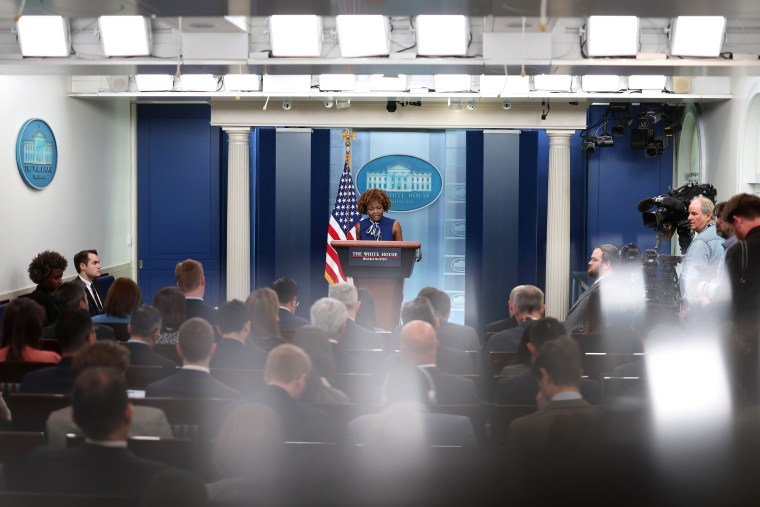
column 36, row 153
column 410, row 182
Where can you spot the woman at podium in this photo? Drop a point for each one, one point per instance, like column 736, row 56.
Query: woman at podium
column 376, row 227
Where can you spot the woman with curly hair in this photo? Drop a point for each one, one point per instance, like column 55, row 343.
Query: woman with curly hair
column 376, row 227
column 22, row 330
column 46, row 270
column 265, row 325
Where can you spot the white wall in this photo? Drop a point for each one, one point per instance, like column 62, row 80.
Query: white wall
column 88, row 203
column 725, row 124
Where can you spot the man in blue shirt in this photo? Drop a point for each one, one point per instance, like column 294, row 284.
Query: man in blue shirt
column 700, row 263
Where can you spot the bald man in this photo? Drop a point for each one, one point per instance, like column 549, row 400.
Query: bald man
column 419, row 347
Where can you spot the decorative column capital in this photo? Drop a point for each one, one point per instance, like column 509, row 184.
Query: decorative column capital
column 238, row 133
column 560, row 137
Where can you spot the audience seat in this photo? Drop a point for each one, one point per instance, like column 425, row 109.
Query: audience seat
column 169, row 351
column 361, row 388
column 103, row 284
column 30, row 411
column 501, row 417
column 8, row 388
column 177, row 452
column 15, row 447
column 14, row 371
column 120, row 330
column 476, row 414
column 612, row 387
column 596, row 363
column 197, row 411
column 18, row 499
column 499, row 360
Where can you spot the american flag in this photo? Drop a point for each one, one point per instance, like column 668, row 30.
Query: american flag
column 342, row 221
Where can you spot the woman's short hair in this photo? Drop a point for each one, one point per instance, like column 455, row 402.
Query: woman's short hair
column 373, row 194
column 44, row 263
column 123, row 298
column 172, row 305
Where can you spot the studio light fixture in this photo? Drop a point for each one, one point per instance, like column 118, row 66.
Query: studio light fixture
column 282, row 83
column 154, row 82
column 391, row 106
column 287, row 104
column 242, row 83
column 447, row 35
column 553, row 82
column 381, row 83
column 198, row 83
column 44, row 36
column 612, row 36
column 600, row 84
column 471, row 104
column 497, row 86
column 647, row 82
column 342, row 103
column 697, row 36
column 452, row 83
column 363, row 35
column 296, row 35
column 125, row 35
column 337, row 82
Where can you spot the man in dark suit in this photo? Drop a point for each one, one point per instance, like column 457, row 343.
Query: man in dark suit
column 87, row 263
column 330, row 315
column 355, row 336
column 564, row 418
column 286, row 375
column 504, row 324
column 74, row 331
column 419, row 347
column 451, row 335
column 102, row 465
column 233, row 351
column 192, row 283
column 72, row 296
column 586, row 311
column 287, row 293
column 144, row 327
column 196, row 346
column 456, row 362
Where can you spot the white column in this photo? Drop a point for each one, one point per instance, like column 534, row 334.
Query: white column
column 238, row 215
column 558, row 225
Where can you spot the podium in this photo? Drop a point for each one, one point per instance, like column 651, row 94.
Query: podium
column 380, row 267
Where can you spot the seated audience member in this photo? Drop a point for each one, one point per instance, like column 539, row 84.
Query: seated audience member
column 192, row 283
column 233, row 350
column 172, row 305
column 526, row 351
column 247, row 455
column 144, row 327
column 287, row 296
column 504, row 324
column 366, row 316
column 87, row 264
column 46, row 270
column 286, row 376
column 74, row 331
column 102, row 465
column 71, row 296
column 315, row 343
column 174, row 487
column 194, row 380
column 521, row 389
column 451, row 335
column 146, row 421
column 456, row 362
column 329, row 315
column 564, row 419
column 406, row 421
column 22, row 330
column 355, row 336
column 529, row 305
column 419, row 347
column 265, row 329
column 122, row 300
column 585, row 316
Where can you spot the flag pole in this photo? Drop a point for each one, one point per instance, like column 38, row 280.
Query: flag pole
column 347, row 135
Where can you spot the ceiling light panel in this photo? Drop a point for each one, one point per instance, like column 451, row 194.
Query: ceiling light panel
column 442, row 35
column 647, row 82
column 497, row 86
column 292, row 83
column 381, row 83
column 697, row 36
column 363, row 35
column 337, row 82
column 296, row 35
column 125, row 35
column 44, row 36
column 612, row 36
column 199, row 83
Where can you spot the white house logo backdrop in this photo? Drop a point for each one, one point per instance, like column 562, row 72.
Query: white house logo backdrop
column 411, row 183
column 36, row 153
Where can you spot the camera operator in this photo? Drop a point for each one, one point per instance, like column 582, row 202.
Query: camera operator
column 700, row 264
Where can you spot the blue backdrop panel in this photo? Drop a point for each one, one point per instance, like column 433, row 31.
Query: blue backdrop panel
column 618, row 178
column 179, row 212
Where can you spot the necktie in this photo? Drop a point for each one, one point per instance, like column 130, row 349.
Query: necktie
column 96, row 298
